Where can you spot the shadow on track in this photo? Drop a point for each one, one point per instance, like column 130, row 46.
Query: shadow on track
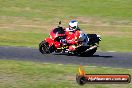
column 104, row 56
column 100, row 56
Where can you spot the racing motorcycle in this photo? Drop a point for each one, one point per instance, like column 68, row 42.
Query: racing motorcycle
column 54, row 43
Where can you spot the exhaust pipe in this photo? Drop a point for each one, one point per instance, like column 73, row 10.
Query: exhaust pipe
column 91, row 48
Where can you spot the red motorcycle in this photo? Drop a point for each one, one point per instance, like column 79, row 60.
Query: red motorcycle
column 56, row 43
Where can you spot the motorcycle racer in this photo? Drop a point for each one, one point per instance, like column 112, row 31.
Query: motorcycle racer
column 74, row 35
column 70, row 40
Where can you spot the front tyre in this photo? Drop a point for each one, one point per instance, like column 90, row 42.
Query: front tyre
column 44, row 47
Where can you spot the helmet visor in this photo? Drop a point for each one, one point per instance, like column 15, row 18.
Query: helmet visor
column 72, row 28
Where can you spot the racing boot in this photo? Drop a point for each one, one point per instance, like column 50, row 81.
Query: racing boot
column 71, row 49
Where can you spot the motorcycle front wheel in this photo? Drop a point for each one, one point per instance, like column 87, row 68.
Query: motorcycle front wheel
column 44, row 47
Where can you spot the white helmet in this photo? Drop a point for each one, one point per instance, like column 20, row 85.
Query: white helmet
column 73, row 25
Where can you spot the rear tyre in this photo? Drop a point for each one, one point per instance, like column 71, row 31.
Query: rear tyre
column 44, row 47
column 89, row 53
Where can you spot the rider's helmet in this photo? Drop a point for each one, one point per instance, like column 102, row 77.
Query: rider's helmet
column 73, row 25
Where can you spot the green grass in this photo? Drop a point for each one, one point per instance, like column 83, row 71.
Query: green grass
column 120, row 44
column 21, row 38
column 21, row 74
column 67, row 8
column 28, row 22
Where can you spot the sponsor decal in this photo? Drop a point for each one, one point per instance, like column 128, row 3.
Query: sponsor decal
column 83, row 78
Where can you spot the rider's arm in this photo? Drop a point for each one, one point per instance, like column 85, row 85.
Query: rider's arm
column 74, row 38
column 77, row 34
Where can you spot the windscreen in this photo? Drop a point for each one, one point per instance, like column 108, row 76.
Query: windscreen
column 59, row 30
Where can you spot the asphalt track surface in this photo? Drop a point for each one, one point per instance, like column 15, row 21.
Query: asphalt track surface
column 105, row 59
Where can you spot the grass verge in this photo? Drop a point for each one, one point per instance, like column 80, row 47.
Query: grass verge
column 26, row 74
